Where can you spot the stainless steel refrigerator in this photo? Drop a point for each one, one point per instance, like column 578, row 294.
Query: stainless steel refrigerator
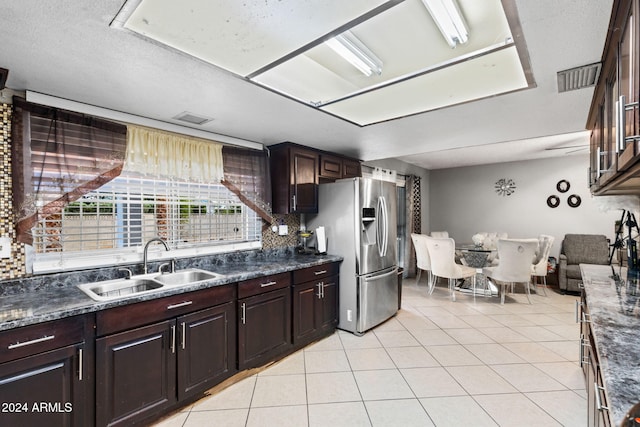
column 360, row 216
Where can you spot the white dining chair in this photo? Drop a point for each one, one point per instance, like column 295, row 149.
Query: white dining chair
column 516, row 257
column 440, row 234
column 442, row 255
column 423, row 261
column 540, row 265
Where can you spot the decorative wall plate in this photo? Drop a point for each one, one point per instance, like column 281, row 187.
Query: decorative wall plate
column 563, row 186
column 505, row 187
column 574, row 200
column 553, row 201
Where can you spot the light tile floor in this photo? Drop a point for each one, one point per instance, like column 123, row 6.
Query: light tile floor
column 436, row 363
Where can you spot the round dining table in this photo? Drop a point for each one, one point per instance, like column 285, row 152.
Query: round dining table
column 478, row 258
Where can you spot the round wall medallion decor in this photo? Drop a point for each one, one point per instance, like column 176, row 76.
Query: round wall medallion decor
column 505, row 187
column 553, row 201
column 563, row 186
column 574, row 200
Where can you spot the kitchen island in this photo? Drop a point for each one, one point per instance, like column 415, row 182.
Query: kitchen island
column 610, row 337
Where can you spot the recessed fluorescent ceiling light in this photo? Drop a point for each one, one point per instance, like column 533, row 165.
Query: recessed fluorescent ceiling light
column 449, row 20
column 288, row 47
column 356, row 53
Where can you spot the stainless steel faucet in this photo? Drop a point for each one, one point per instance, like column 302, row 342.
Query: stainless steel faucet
column 146, row 249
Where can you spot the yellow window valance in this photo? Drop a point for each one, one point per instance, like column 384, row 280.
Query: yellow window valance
column 160, row 153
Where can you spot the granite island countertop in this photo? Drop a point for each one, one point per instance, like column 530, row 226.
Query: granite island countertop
column 614, row 308
column 50, row 297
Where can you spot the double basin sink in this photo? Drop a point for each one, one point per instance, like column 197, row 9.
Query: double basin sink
column 145, row 283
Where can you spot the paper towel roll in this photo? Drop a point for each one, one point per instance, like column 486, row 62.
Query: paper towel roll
column 321, row 240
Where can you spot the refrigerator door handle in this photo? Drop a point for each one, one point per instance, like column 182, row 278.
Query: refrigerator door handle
column 380, row 276
column 379, row 226
column 383, row 227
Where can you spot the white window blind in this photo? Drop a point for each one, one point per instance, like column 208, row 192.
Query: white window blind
column 128, row 211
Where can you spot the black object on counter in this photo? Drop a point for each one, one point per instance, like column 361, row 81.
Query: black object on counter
column 632, row 418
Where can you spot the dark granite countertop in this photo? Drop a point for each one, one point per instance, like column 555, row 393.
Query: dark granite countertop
column 614, row 306
column 49, row 297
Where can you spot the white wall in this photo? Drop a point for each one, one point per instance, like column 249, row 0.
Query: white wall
column 463, row 201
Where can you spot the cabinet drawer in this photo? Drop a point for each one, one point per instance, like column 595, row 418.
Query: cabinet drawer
column 313, row 273
column 42, row 337
column 134, row 315
column 263, row 284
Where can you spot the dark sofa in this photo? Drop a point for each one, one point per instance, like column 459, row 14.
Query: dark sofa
column 580, row 249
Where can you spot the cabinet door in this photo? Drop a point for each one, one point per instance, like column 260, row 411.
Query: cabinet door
column 329, row 310
column 306, row 312
column 304, row 181
column 46, row 389
column 206, row 349
column 315, row 310
column 264, row 327
column 351, row 168
column 136, row 374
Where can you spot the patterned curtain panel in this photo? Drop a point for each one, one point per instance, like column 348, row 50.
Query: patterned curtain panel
column 414, row 220
column 247, row 175
column 58, row 156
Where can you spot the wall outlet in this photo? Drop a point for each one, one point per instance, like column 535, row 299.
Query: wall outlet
column 283, row 230
column 5, row 247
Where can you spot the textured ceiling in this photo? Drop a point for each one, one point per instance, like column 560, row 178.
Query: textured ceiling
column 67, row 49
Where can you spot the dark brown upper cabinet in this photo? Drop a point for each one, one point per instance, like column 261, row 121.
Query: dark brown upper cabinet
column 296, row 172
column 614, row 117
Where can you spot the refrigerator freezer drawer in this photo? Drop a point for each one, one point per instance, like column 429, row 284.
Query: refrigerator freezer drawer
column 377, row 299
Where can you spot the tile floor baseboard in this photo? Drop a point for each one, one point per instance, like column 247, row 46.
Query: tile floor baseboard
column 436, row 363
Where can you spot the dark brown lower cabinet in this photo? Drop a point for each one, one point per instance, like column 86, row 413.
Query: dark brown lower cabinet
column 207, row 349
column 264, row 327
column 46, row 389
column 136, row 373
column 597, row 409
column 315, row 310
column 46, row 374
column 146, row 370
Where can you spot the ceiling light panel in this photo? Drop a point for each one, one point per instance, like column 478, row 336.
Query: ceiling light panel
column 415, row 44
column 242, row 36
column 497, row 73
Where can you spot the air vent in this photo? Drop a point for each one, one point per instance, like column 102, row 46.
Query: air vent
column 579, row 77
column 192, row 118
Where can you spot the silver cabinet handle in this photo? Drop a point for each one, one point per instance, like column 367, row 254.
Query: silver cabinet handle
column 599, row 405
column 317, row 273
column 264, row 285
column 173, row 339
column 80, row 363
column 294, row 203
column 180, row 304
column 184, row 335
column 244, row 314
column 36, row 341
column 578, row 305
column 322, row 288
column 584, row 358
column 319, row 294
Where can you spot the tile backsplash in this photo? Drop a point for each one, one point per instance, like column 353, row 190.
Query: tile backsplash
column 13, row 266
